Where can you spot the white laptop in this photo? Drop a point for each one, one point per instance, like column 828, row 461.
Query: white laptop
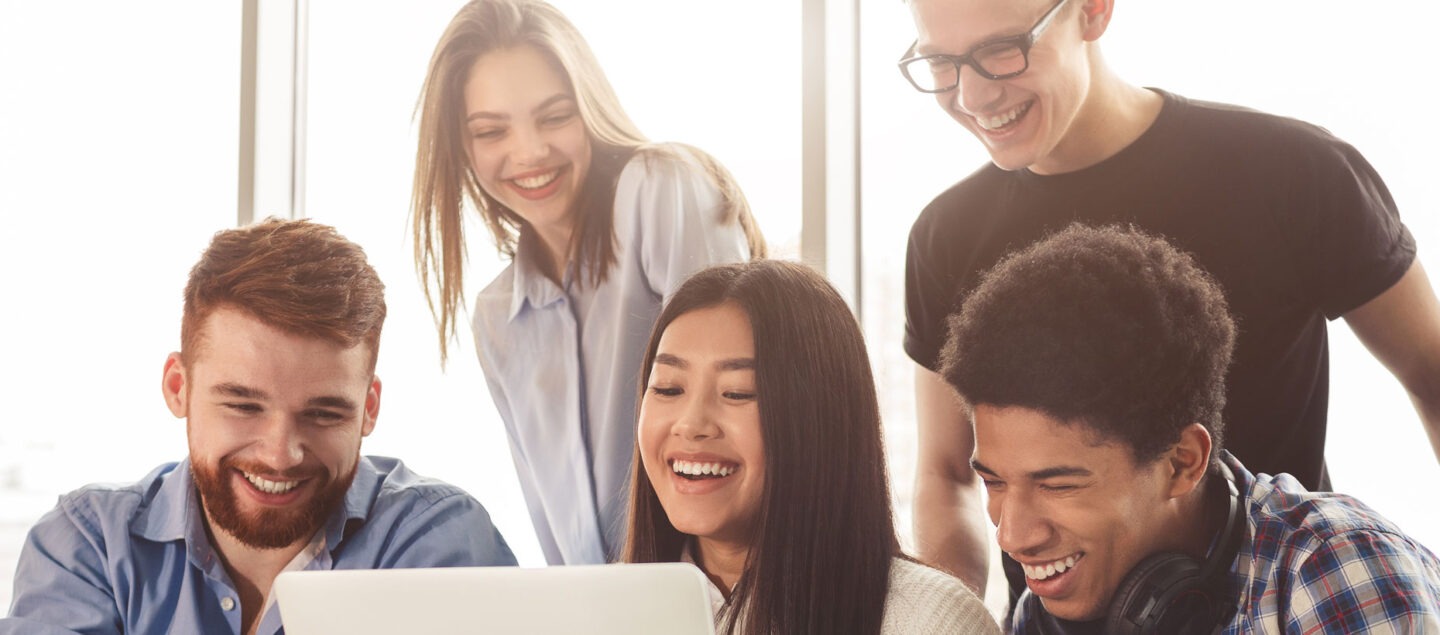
column 664, row 598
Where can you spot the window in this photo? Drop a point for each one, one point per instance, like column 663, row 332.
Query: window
column 117, row 163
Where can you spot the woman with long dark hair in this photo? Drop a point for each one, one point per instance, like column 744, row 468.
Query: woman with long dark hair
column 759, row 458
column 518, row 121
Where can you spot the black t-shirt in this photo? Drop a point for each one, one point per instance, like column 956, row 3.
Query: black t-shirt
column 1293, row 223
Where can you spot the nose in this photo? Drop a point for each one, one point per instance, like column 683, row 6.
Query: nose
column 1019, row 527
column 280, row 446
column 697, row 420
column 531, row 146
column 976, row 93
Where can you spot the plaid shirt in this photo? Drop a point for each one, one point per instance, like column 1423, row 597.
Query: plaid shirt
column 1322, row 563
column 1326, row 563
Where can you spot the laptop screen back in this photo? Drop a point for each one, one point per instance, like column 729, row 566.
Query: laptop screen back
column 670, row 598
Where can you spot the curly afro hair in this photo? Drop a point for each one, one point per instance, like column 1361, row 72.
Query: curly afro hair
column 1107, row 326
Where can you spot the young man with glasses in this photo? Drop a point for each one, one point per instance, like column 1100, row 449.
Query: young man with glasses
column 1295, row 225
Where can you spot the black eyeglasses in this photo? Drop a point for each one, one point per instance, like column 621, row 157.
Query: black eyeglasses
column 997, row 59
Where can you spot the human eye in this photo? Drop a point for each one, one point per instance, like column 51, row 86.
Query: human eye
column 666, row 391
column 1000, row 58
column 998, row 50
column 557, row 119
column 739, row 395
column 992, row 484
column 939, row 64
column 941, row 67
column 487, row 134
column 325, row 417
column 1059, row 488
column 242, row 407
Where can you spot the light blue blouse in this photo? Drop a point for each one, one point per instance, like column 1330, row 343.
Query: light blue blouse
column 563, row 364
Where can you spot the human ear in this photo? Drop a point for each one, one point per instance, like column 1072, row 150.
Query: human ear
column 372, row 407
column 173, row 386
column 1189, row 459
column 1095, row 18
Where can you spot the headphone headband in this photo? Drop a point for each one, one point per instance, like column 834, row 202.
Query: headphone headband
column 1217, row 563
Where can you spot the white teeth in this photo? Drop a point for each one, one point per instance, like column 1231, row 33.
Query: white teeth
column 1037, row 572
column 1000, row 120
column 536, row 182
column 693, row 468
column 270, row 487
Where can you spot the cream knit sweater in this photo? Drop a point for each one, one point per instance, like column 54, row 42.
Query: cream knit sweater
column 921, row 601
column 924, row 601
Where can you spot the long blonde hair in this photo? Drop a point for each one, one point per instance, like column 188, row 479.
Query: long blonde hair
column 444, row 179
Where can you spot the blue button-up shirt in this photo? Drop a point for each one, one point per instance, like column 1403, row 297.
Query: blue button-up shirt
column 563, row 361
column 136, row 558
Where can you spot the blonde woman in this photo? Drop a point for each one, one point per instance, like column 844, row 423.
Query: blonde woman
column 518, row 121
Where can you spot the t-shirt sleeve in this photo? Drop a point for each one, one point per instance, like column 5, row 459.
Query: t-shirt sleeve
column 1352, row 241
column 677, row 219
column 1365, row 582
column 60, row 580
column 929, row 297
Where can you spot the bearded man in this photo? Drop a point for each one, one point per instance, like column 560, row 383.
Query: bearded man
column 275, row 378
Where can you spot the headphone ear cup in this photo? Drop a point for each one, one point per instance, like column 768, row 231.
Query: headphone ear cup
column 1151, row 590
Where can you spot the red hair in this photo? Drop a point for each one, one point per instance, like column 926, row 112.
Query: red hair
column 300, row 277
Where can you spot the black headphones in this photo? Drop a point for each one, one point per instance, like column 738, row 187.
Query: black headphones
column 1171, row 592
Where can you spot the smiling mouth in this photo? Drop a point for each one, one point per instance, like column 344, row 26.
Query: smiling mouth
column 697, row 471
column 1051, row 569
column 536, row 182
column 268, row 486
column 1004, row 119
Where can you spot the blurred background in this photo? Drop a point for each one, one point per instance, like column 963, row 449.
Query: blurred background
column 121, row 140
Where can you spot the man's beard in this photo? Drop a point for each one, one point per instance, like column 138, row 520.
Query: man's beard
column 267, row 528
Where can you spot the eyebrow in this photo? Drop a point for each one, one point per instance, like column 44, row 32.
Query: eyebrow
column 919, row 50
column 238, row 391
column 554, row 99
column 230, row 389
column 736, row 363
column 337, row 403
column 1039, row 475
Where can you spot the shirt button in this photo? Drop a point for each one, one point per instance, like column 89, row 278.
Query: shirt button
column 227, row 604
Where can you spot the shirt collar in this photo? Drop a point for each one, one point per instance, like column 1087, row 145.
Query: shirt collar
column 1244, row 480
column 358, row 499
column 174, row 514
column 531, row 285
column 167, row 517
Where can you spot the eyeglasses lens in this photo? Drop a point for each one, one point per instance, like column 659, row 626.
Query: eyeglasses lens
column 938, row 74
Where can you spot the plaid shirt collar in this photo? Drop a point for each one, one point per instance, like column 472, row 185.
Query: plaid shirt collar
column 1314, row 562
